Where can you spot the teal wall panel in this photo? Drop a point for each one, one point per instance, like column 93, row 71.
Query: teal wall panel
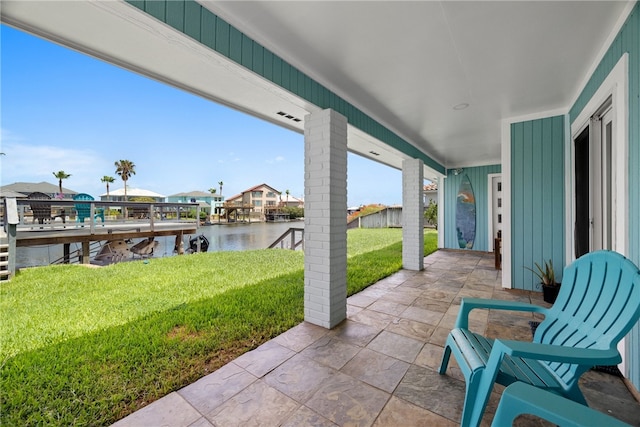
column 212, row 31
column 207, row 29
column 626, row 41
column 175, row 14
column 155, row 8
column 192, row 20
column 247, row 51
column 537, row 198
column 222, row 36
column 478, row 176
column 235, row 45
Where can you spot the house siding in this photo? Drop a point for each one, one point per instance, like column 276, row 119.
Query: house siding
column 202, row 25
column 627, row 41
column 478, row 176
column 537, row 198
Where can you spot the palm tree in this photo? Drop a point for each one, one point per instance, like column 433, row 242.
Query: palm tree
column 108, row 180
column 287, row 193
column 125, row 168
column 61, row 175
column 220, row 184
column 212, row 190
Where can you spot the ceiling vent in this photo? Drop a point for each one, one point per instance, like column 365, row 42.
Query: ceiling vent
column 289, row 116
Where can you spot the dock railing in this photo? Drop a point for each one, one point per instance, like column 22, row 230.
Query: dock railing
column 64, row 214
column 288, row 239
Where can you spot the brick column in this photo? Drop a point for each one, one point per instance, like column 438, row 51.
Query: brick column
column 325, row 218
column 412, row 214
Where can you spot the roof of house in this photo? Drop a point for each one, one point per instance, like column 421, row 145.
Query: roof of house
column 260, row 186
column 195, row 193
column 232, row 198
column 289, row 199
column 254, row 188
column 134, row 192
column 30, row 187
column 12, row 194
column 431, row 187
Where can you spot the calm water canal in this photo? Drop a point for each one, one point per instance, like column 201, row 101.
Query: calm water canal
column 225, row 237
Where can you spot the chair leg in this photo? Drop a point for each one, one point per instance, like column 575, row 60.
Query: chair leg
column 445, row 360
column 481, row 383
column 470, row 416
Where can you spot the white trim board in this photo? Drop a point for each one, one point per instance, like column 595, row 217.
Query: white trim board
column 616, row 85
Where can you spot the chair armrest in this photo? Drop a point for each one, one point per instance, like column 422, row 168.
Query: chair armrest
column 557, row 353
column 469, row 304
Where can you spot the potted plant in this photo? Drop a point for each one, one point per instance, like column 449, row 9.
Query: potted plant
column 547, row 276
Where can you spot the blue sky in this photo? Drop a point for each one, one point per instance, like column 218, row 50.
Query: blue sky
column 62, row 110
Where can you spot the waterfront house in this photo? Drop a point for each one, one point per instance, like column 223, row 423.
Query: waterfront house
column 51, row 190
column 214, row 202
column 528, row 111
column 255, row 200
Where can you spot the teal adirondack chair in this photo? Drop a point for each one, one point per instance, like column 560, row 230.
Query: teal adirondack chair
column 520, row 398
column 598, row 304
column 83, row 210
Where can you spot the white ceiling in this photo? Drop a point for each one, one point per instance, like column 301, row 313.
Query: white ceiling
column 405, row 63
column 409, row 63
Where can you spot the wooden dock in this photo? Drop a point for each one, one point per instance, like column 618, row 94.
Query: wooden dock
column 76, row 233
column 21, row 228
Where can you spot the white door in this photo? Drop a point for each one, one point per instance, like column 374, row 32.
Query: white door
column 595, row 184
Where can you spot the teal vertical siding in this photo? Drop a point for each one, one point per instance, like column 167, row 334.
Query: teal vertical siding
column 537, row 197
column 627, row 41
column 199, row 23
column 479, row 182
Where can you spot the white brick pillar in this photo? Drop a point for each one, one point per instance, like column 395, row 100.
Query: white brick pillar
column 412, row 214
column 325, row 218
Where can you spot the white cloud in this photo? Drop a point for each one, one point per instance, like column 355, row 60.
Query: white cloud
column 277, row 159
column 34, row 163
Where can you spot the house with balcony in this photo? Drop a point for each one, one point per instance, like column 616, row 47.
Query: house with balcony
column 254, row 201
column 525, row 114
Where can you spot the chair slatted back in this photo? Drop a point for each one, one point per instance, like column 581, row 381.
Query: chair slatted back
column 598, row 304
column 83, row 209
column 41, row 211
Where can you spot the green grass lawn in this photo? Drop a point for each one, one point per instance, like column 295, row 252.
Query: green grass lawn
column 89, row 346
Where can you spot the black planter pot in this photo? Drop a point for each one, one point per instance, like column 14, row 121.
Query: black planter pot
column 550, row 293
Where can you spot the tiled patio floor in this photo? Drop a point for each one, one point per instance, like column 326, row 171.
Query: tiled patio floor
column 379, row 367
